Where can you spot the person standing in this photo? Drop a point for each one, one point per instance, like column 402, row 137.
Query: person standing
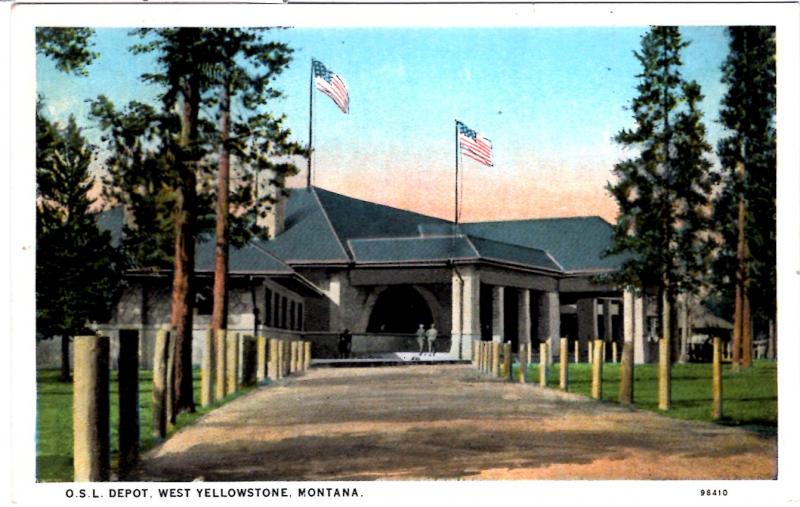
column 431, row 334
column 421, row 338
column 344, row 344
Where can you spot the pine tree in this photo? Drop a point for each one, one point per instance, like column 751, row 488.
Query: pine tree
column 663, row 188
column 245, row 73
column 68, row 47
column 77, row 269
column 745, row 209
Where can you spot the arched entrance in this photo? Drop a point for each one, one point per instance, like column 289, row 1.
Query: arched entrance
column 399, row 309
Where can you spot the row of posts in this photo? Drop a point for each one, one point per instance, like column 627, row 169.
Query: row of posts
column 495, row 359
column 261, row 358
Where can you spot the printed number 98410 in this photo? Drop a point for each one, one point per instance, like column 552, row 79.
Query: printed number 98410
column 713, row 492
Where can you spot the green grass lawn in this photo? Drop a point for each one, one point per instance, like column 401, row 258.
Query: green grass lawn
column 750, row 397
column 54, row 421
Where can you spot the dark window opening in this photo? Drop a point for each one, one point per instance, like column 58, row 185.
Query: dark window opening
column 268, row 307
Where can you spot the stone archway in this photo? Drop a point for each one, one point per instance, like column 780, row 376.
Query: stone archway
column 400, row 309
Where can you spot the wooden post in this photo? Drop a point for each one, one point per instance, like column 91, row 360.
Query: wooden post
column 272, row 371
column 207, row 372
column 287, row 357
column 160, row 383
column 626, row 369
column 507, row 359
column 614, row 356
column 261, row 359
column 716, row 380
column 664, row 401
column 563, row 380
column 543, row 364
column 577, row 351
column 523, row 362
column 597, row 370
column 232, row 357
column 590, row 357
column 249, row 352
column 221, row 349
column 128, row 387
column 90, row 409
column 496, row 358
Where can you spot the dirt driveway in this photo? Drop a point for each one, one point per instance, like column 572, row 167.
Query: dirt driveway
column 445, row 422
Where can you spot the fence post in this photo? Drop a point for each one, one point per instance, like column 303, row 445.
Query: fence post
column 590, row 345
column 249, row 352
column 90, row 409
column 160, row 381
column 614, row 353
column 597, row 370
column 496, row 349
column 272, row 370
column 543, row 364
column 486, row 357
column 577, row 351
column 261, row 367
column 207, row 373
column 128, row 373
column 716, row 382
column 287, row 357
column 507, row 359
column 664, row 365
column 221, row 360
column 307, row 354
column 563, row 379
column 523, row 362
column 232, row 358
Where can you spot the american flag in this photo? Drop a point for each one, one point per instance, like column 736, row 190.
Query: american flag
column 474, row 145
column 332, row 85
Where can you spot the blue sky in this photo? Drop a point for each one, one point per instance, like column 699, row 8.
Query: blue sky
column 550, row 99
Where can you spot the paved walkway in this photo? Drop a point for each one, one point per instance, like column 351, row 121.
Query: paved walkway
column 445, row 422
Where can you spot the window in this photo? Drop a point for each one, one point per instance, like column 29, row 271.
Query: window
column 283, row 312
column 268, row 307
column 299, row 316
column 204, row 299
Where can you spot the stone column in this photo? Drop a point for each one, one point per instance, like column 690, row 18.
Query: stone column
column 220, row 351
column 232, row 357
column 160, row 381
column 128, row 372
column 261, row 359
column 587, row 323
column 524, row 318
column 549, row 325
column 90, row 409
column 498, row 314
column 207, row 373
column 466, row 311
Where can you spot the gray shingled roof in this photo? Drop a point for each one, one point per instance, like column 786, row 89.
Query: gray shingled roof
column 576, row 243
column 514, row 254
column 308, row 235
column 407, row 250
column 247, row 259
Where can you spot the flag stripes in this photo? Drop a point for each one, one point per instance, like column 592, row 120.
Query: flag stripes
column 332, row 85
column 474, row 145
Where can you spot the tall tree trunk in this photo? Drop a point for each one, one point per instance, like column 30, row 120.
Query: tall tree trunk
column 65, row 370
column 742, row 341
column 219, row 316
column 182, row 293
